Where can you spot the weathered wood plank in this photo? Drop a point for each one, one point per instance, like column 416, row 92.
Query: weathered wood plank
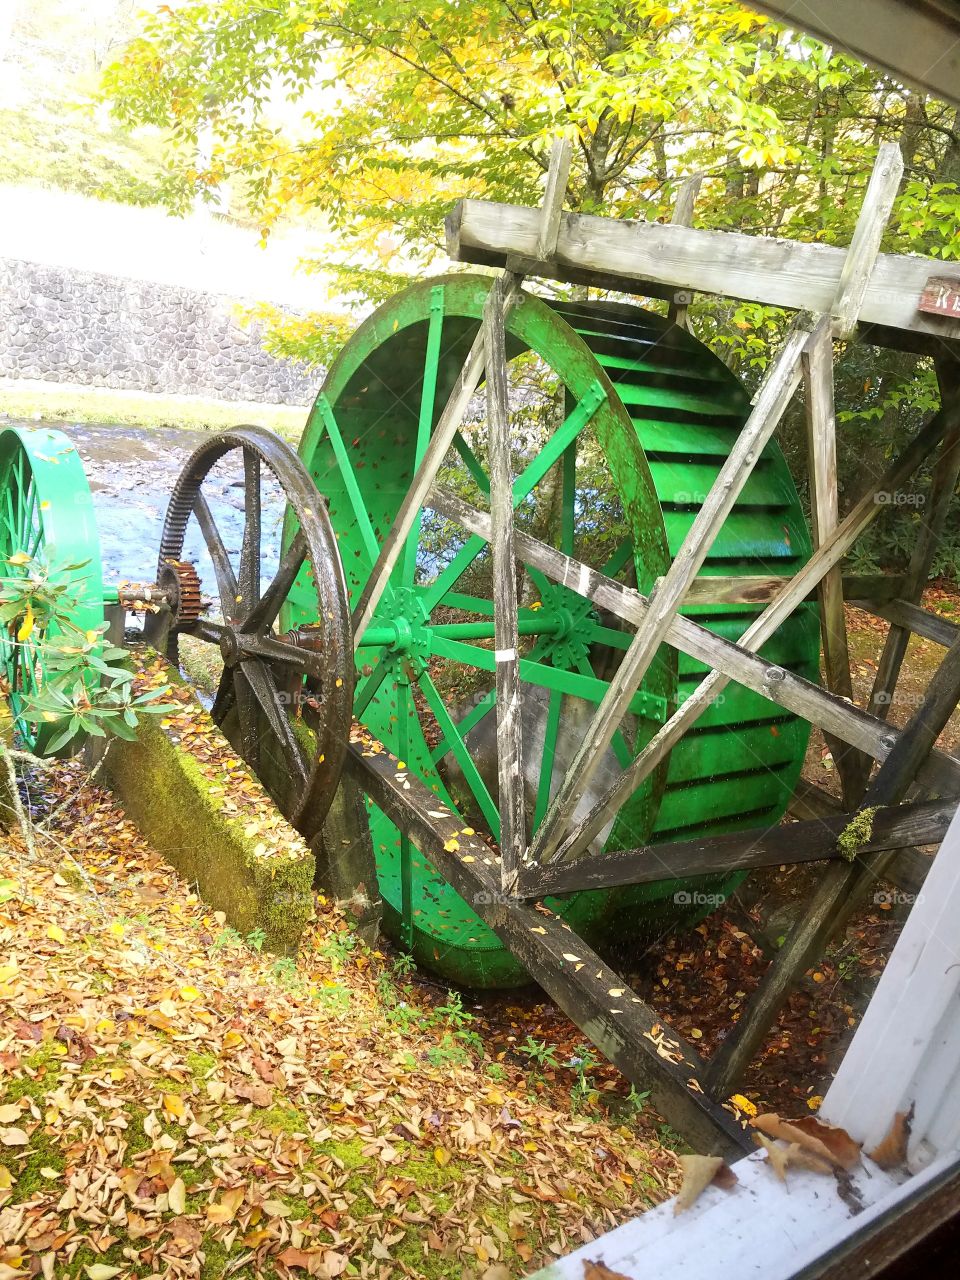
column 779, row 384
column 942, row 490
column 843, row 886
column 782, row 273
column 762, row 588
column 941, row 772
column 865, row 245
column 812, row 841
column 821, row 426
column 912, row 618
column 506, row 638
column 683, row 217
column 589, row 991
column 441, row 440
column 558, row 175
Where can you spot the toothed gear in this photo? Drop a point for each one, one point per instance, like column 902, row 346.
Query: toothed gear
column 178, row 578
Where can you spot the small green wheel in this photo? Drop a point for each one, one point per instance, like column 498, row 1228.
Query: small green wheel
column 49, row 543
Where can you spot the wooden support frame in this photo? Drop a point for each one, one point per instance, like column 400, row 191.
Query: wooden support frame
column 683, row 217
column 842, row 887
column 655, row 260
column 814, row 840
column 941, row 772
column 821, row 423
column 774, row 395
column 945, row 476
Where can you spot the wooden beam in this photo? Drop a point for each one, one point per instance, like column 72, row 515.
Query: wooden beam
column 627, row 1031
column 865, row 245
column 779, row 384
column 513, row 840
column 558, row 175
column 683, row 217
column 942, row 491
column 911, row 618
column 635, row 255
column 820, row 413
column 762, row 588
column 815, row 840
column 783, row 687
column 843, row 886
column 441, row 440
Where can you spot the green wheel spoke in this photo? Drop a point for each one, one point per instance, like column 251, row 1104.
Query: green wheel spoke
column 461, row 753
column 525, row 482
column 472, row 463
column 428, row 398
column 367, row 689
column 469, row 604
column 551, row 733
column 622, row 556
column 349, row 479
column 406, row 853
column 482, row 709
column 590, row 688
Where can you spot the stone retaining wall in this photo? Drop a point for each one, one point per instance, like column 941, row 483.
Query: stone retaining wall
column 63, row 325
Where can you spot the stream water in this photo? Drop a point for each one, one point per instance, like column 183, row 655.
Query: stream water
column 132, row 472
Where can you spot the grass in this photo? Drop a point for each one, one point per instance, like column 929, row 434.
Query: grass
column 38, row 401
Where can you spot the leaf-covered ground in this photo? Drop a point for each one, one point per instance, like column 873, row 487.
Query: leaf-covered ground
column 175, row 1102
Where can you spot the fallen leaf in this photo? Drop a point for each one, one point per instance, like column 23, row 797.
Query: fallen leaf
column 255, row 1091
column 598, row 1271
column 698, row 1173
column 826, row 1141
column 100, row 1271
column 9, row 1113
column 892, row 1151
column 174, row 1106
column 56, row 934
column 177, row 1196
column 13, row 1138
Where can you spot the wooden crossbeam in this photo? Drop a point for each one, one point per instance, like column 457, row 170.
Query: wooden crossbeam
column 814, row 840
column 762, row 588
column 865, row 245
column 558, row 175
column 625, row 1029
column 683, row 217
column 632, row 256
column 843, row 886
column 912, row 618
column 941, row 772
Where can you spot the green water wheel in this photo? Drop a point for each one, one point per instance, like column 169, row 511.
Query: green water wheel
column 620, row 424
column 49, row 549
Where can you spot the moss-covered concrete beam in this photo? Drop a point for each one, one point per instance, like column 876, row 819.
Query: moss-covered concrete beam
column 203, row 810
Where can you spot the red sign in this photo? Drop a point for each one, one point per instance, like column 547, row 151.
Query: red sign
column 941, row 297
